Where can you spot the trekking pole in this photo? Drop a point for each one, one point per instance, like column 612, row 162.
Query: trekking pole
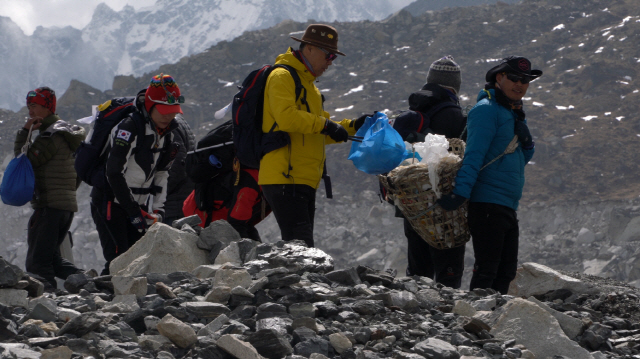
column 210, row 147
column 356, row 138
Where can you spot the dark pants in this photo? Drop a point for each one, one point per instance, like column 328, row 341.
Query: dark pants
column 494, row 232
column 117, row 234
column 47, row 229
column 444, row 265
column 169, row 220
column 294, row 206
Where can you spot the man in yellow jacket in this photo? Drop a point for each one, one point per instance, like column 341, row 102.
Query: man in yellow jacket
column 290, row 175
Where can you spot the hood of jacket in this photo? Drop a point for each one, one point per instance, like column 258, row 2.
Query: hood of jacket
column 73, row 134
column 488, row 94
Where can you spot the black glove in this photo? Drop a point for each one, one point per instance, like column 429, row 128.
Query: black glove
column 335, row 131
column 139, row 222
column 451, row 201
column 524, row 136
column 357, row 123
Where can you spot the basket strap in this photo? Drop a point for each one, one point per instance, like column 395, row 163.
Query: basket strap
column 510, row 149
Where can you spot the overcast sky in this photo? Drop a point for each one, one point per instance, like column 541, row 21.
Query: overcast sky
column 29, row 14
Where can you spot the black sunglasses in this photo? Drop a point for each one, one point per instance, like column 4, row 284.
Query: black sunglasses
column 329, row 55
column 515, row 78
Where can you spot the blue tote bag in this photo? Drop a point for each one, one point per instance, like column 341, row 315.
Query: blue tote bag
column 18, row 181
column 382, row 148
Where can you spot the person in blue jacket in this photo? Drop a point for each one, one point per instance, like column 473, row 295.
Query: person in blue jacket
column 494, row 191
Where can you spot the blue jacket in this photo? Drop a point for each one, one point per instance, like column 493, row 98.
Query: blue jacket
column 490, row 129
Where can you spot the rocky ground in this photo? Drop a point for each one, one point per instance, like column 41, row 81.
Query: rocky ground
column 194, row 293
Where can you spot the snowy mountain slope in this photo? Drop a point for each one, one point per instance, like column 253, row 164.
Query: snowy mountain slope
column 134, row 42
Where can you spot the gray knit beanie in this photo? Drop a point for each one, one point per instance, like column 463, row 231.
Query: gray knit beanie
column 445, row 72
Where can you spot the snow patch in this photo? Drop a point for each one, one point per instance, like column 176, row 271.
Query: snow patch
column 589, row 118
column 353, row 90
column 344, row 109
column 226, row 83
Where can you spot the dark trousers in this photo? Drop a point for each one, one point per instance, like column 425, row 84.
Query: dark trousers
column 294, row 206
column 443, row 265
column 494, row 232
column 47, row 229
column 117, row 234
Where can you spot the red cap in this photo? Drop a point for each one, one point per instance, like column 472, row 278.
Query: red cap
column 164, row 94
column 43, row 96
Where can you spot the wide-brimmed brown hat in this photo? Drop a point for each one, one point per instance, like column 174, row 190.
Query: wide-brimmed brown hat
column 514, row 64
column 323, row 36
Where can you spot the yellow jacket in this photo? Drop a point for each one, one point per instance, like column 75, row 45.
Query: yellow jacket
column 306, row 153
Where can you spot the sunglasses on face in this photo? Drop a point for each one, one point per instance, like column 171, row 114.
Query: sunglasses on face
column 328, row 55
column 515, row 78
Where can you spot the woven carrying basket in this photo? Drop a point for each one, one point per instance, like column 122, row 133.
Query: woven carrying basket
column 410, row 188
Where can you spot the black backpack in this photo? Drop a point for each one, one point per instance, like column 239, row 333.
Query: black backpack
column 213, row 183
column 251, row 144
column 90, row 155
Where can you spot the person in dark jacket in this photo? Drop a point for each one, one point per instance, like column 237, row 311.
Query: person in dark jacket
column 434, row 109
column 54, row 201
column 495, row 191
column 179, row 185
column 136, row 168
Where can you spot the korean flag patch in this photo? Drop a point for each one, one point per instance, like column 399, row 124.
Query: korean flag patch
column 125, row 135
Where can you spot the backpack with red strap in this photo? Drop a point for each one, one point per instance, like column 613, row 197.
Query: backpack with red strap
column 250, row 142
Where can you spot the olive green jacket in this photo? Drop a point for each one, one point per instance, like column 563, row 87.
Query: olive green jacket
column 52, row 156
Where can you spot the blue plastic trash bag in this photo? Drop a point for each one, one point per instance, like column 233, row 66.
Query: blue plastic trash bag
column 18, row 182
column 382, row 148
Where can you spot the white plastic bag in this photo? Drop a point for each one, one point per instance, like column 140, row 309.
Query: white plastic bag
column 433, row 150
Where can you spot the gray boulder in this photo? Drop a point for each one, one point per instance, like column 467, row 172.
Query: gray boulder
column 536, row 329
column 162, row 249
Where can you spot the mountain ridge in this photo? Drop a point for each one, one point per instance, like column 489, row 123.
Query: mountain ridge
column 133, row 41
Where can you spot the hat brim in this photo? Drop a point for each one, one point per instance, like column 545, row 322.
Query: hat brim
column 324, row 46
column 504, row 67
column 167, row 109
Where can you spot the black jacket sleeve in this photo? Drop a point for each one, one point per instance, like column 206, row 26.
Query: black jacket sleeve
column 123, row 141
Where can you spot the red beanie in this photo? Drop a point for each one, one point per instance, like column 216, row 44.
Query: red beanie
column 164, row 93
column 43, row 96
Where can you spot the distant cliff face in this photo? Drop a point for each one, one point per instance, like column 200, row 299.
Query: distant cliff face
column 135, row 42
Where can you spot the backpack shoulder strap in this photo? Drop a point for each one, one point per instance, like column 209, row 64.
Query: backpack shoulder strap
column 299, row 88
column 139, row 121
column 432, row 112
